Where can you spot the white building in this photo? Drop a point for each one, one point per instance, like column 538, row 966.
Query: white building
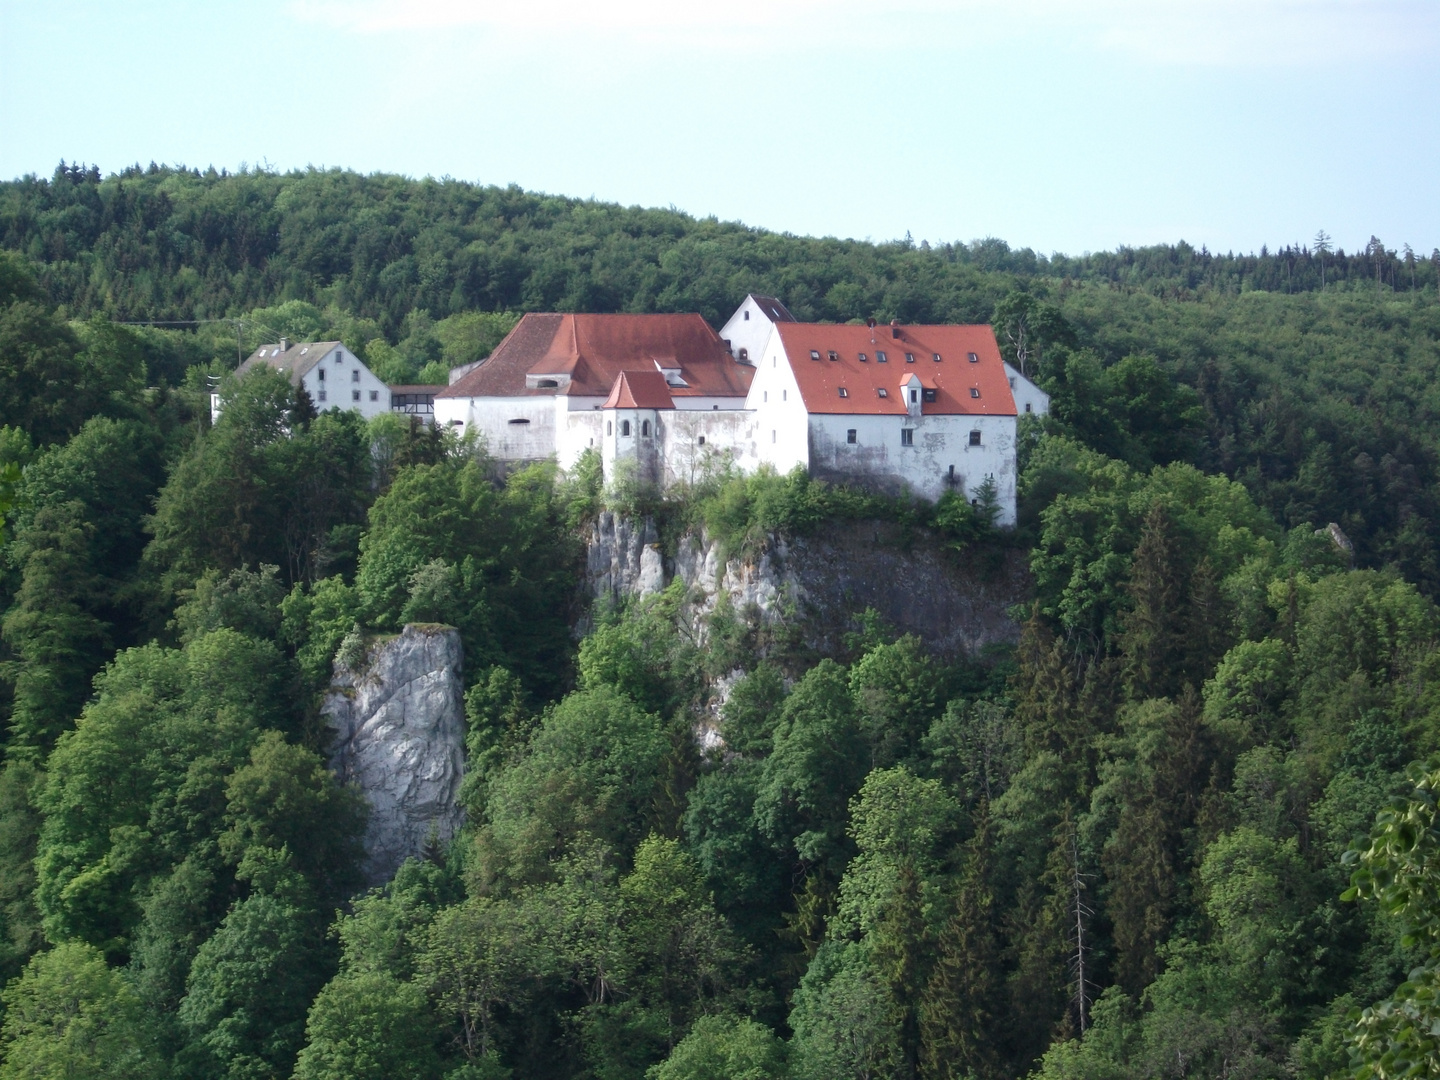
column 921, row 408
column 928, row 409
column 540, row 394
column 331, row 374
column 748, row 330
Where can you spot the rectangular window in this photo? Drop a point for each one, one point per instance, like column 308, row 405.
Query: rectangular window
column 814, row 354
column 974, row 438
column 927, row 395
column 765, row 395
column 864, row 359
column 1027, row 406
column 374, row 395
column 881, row 358
column 844, row 392
column 321, row 395
column 772, row 435
column 974, row 391
column 909, row 358
column 882, row 391
column 850, row 435
column 1012, row 382
column 907, row 436
column 974, row 357
column 355, row 375
column 784, row 395
column 354, row 395
column 339, row 358
column 320, row 374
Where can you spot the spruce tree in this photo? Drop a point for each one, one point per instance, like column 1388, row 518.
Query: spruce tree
column 957, row 1021
column 1152, row 642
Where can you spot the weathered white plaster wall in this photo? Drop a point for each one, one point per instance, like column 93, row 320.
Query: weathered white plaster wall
column 1029, row 398
column 491, row 418
column 751, row 334
column 343, row 379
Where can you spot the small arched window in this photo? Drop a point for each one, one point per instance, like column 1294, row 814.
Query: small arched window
column 609, row 428
column 744, row 354
column 645, row 428
column 625, row 428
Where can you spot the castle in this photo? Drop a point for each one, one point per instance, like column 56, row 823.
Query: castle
column 930, row 409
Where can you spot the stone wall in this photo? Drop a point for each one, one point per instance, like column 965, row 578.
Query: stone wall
column 399, row 724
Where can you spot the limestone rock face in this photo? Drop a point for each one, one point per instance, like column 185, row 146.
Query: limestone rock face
column 399, row 724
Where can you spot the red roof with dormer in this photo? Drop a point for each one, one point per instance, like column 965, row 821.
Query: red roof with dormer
column 863, row 360
column 640, row 390
column 583, row 355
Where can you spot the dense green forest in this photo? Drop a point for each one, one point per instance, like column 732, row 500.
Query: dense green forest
column 1133, row 846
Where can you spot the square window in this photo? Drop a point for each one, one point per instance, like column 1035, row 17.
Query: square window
column 909, row 358
column 833, row 355
column 844, row 392
column 907, row 436
column 881, row 358
column 973, row 357
column 814, row 354
column 974, row 438
column 974, row 391
column 863, row 358
column 321, row 395
column 927, row 395
column 374, row 395
column 850, row 435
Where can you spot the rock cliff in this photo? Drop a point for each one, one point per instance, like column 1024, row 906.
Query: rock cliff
column 957, row 603
column 399, row 724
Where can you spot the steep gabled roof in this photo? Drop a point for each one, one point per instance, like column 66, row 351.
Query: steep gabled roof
column 952, row 378
column 774, row 310
column 583, row 354
column 640, row 390
column 295, row 361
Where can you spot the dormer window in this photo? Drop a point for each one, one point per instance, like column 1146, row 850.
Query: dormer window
column 882, row 391
column 909, row 358
column 547, row 384
column 744, row 353
column 974, row 391
column 833, row 355
column 927, row 395
column 913, row 397
column 814, row 354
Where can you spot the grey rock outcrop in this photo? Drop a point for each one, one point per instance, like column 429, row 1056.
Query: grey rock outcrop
column 400, row 738
column 957, row 603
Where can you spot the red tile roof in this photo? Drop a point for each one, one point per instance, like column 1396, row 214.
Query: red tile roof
column 592, row 350
column 952, row 378
column 640, row 390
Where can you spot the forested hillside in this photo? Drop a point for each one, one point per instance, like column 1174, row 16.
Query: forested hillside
column 1121, row 850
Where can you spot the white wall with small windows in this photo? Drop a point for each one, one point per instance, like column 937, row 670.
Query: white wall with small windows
column 342, row 381
column 748, row 332
column 1029, row 398
column 781, row 420
column 516, row 429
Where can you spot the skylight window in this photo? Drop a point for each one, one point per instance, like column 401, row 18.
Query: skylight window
column 882, row 391
column 881, row 358
column 909, row 358
column 833, row 355
column 937, row 358
column 814, row 354
column 974, row 358
column 844, row 392
column 974, row 391
column 864, row 358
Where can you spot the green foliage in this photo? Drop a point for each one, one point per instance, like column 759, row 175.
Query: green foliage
column 368, row 1027
column 724, row 1048
column 69, row 1016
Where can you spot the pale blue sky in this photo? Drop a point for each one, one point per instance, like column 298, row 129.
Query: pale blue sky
column 1059, row 125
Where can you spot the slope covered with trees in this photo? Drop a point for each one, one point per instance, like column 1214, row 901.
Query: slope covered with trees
column 1121, row 851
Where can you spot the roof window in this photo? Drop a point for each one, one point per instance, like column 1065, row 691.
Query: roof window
column 909, row 358
column 833, row 355
column 937, row 358
column 814, row 354
column 863, row 358
column 882, row 391
column 844, row 392
column 881, row 358
column 927, row 395
column 974, row 357
column 974, row 391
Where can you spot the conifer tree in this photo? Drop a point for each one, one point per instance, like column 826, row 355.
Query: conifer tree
column 1152, row 643
column 898, row 947
column 957, row 1021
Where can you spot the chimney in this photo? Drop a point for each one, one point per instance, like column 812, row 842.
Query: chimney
column 894, row 328
column 284, row 344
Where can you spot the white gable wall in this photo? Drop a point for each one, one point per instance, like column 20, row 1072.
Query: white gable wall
column 512, row 428
column 781, row 420
column 1029, row 398
column 339, row 377
column 749, row 329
